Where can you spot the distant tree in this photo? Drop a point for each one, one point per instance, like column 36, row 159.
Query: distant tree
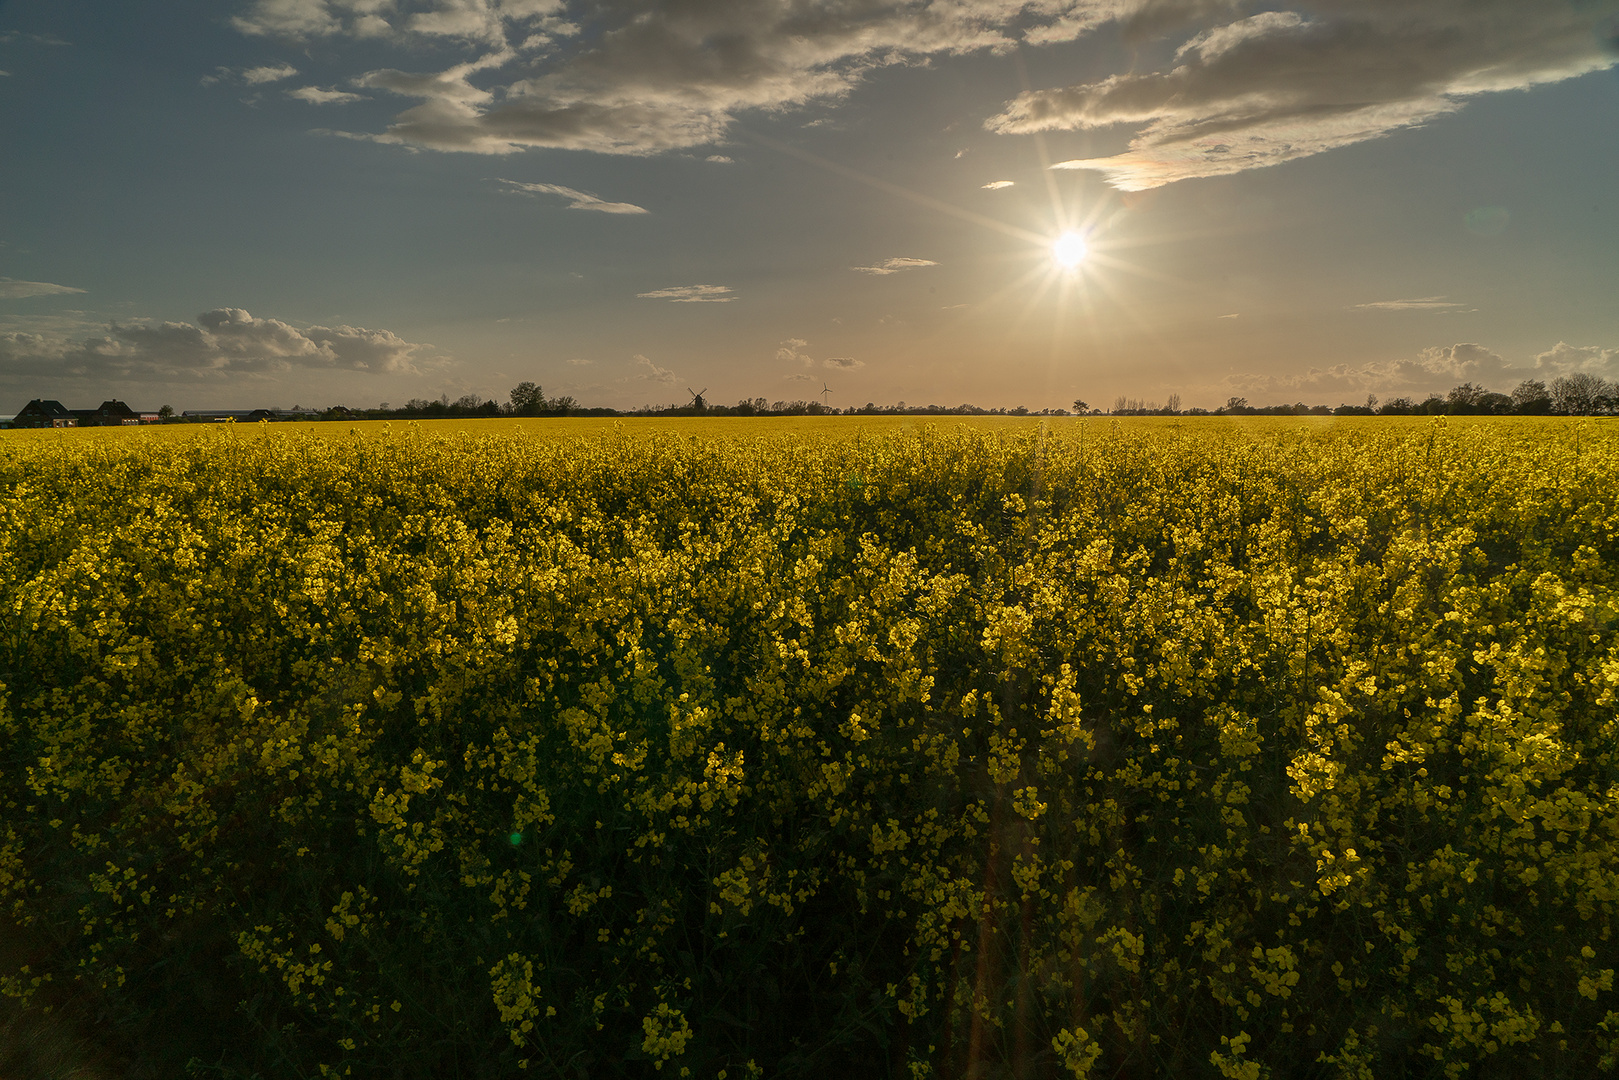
column 1236, row 404
column 1433, row 405
column 1531, row 398
column 1174, row 403
column 1081, row 406
column 1579, row 394
column 527, row 399
column 1465, row 398
column 1371, row 402
column 166, row 412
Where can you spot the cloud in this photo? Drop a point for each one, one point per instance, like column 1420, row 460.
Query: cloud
column 268, row 74
column 316, row 96
column 1432, row 371
column 11, row 289
column 580, row 200
column 647, row 77
column 644, row 370
column 996, row 185
column 579, row 361
column 846, row 363
column 1563, row 358
column 719, row 159
column 5, row 74
column 9, row 36
column 1282, row 85
column 691, row 294
column 1426, row 303
column 222, row 342
column 894, row 266
column 792, row 351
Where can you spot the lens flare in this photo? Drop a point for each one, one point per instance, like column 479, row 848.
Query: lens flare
column 1068, row 250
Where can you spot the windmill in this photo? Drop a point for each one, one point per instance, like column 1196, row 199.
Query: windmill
column 825, row 391
column 697, row 402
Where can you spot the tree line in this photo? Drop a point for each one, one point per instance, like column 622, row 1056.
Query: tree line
column 1577, row 394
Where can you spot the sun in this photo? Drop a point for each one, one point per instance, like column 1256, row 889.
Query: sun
column 1069, row 250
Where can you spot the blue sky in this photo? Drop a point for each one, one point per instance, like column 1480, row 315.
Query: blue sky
column 307, row 202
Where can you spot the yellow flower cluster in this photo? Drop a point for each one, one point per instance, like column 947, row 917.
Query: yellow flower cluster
column 1234, row 749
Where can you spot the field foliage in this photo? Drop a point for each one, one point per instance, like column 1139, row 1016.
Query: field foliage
column 1097, row 749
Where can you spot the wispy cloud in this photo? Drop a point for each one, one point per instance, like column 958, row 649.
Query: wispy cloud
column 11, row 289
column 996, row 185
column 719, row 159
column 269, row 73
column 579, row 361
column 644, row 370
column 1425, row 303
column 1282, row 85
column 649, row 77
column 792, row 351
column 9, row 36
column 846, row 363
column 316, row 96
column 221, row 342
column 894, row 266
column 691, row 294
column 578, row 200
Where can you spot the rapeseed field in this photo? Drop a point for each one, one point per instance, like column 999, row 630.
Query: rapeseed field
column 841, row 748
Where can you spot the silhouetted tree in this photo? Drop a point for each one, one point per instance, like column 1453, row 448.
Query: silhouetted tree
column 527, row 399
column 1531, row 398
column 1580, row 394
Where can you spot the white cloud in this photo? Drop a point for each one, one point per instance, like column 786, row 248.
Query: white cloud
column 1284, row 85
column 791, row 351
column 222, row 342
column 996, row 185
column 846, row 363
column 11, row 289
column 579, row 200
column 691, row 294
column 268, row 73
column 1563, row 358
column 644, row 370
column 579, row 361
column 719, row 159
column 316, row 96
column 5, row 74
column 894, row 266
column 1426, row 303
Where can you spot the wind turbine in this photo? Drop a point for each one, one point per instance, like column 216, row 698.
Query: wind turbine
column 825, row 390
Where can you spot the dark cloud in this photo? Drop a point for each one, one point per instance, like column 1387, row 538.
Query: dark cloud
column 222, row 341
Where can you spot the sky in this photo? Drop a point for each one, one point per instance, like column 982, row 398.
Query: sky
column 280, row 203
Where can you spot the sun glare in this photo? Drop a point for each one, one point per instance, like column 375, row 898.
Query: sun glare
column 1068, row 250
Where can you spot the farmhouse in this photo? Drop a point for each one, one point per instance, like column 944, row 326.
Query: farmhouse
column 42, row 414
